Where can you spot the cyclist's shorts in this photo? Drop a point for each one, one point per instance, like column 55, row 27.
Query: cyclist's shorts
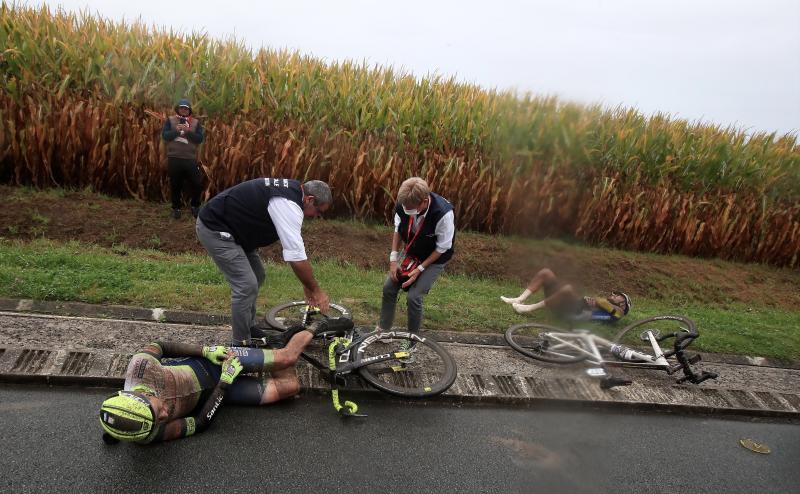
column 568, row 307
column 247, row 390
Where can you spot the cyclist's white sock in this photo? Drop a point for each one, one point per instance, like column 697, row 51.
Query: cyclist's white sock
column 522, row 309
column 521, row 298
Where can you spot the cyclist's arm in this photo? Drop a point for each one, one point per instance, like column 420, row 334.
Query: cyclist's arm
column 613, row 310
column 201, row 420
column 159, row 349
column 188, row 426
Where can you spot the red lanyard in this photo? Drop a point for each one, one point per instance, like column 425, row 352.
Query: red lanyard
column 408, row 233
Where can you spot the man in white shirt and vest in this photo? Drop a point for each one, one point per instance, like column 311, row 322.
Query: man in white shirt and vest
column 424, row 223
column 256, row 213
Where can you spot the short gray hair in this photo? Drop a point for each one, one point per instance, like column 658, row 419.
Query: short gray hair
column 320, row 191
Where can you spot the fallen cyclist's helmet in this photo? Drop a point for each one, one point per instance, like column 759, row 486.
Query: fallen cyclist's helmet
column 628, row 304
column 127, row 416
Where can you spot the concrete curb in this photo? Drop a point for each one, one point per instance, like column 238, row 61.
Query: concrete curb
column 200, row 318
column 107, row 369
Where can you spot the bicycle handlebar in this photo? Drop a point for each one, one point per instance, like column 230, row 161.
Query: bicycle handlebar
column 682, row 340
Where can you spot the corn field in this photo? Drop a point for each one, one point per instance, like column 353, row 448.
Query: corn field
column 83, row 100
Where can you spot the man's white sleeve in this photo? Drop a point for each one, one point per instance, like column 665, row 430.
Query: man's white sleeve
column 288, row 220
column 445, row 229
column 396, row 222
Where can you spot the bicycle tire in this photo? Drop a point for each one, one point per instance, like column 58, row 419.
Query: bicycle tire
column 535, row 347
column 281, row 322
column 620, row 337
column 432, row 373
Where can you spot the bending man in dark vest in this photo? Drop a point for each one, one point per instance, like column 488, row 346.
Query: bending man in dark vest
column 253, row 214
column 424, row 223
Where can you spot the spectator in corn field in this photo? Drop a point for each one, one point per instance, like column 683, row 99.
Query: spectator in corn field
column 424, row 223
column 256, row 213
column 183, row 134
column 565, row 302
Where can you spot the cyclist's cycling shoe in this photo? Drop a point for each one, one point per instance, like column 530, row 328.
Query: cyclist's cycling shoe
column 261, row 332
column 335, row 325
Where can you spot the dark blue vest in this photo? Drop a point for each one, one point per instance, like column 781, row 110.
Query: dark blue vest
column 425, row 242
column 242, row 210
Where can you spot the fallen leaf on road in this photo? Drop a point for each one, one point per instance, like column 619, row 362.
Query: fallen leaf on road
column 754, row 446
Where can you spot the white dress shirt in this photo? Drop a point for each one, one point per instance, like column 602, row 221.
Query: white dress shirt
column 287, row 217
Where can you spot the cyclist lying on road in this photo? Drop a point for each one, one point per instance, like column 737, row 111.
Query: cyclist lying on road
column 565, row 302
column 178, row 397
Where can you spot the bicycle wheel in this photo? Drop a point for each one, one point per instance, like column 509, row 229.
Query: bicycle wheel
column 282, row 316
column 635, row 334
column 430, row 372
column 534, row 340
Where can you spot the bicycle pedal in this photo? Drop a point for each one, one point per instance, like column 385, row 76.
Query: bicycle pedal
column 596, row 372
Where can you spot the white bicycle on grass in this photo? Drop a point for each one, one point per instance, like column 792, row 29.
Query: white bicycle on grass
column 557, row 346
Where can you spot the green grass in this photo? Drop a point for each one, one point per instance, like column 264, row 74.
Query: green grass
column 42, row 269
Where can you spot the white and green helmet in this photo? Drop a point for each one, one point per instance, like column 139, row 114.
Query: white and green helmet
column 127, row 416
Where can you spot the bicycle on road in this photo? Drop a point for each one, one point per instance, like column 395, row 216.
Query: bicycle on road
column 557, row 346
column 396, row 362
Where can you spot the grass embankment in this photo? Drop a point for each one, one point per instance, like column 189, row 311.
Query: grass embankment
column 43, row 269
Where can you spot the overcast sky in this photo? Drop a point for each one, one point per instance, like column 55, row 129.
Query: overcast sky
column 727, row 61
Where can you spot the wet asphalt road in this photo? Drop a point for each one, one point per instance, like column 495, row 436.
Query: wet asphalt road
column 50, row 442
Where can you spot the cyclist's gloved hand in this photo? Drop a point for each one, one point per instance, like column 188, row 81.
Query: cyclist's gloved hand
column 230, row 369
column 216, row 354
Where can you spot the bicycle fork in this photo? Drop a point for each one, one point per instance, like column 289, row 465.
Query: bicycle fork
column 350, row 408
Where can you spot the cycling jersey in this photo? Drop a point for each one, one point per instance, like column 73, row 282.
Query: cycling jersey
column 580, row 309
column 602, row 311
column 186, row 383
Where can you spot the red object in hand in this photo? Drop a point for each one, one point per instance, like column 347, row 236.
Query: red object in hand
column 408, row 265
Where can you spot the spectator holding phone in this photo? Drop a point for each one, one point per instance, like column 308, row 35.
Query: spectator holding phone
column 183, row 134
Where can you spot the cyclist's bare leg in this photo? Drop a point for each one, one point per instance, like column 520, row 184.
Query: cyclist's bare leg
column 283, row 384
column 566, row 292
column 287, row 356
column 544, row 276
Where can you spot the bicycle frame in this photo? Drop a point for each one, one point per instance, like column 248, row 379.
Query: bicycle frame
column 589, row 345
column 349, row 363
column 340, row 349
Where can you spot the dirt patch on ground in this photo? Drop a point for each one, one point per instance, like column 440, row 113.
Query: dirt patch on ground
column 109, row 222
